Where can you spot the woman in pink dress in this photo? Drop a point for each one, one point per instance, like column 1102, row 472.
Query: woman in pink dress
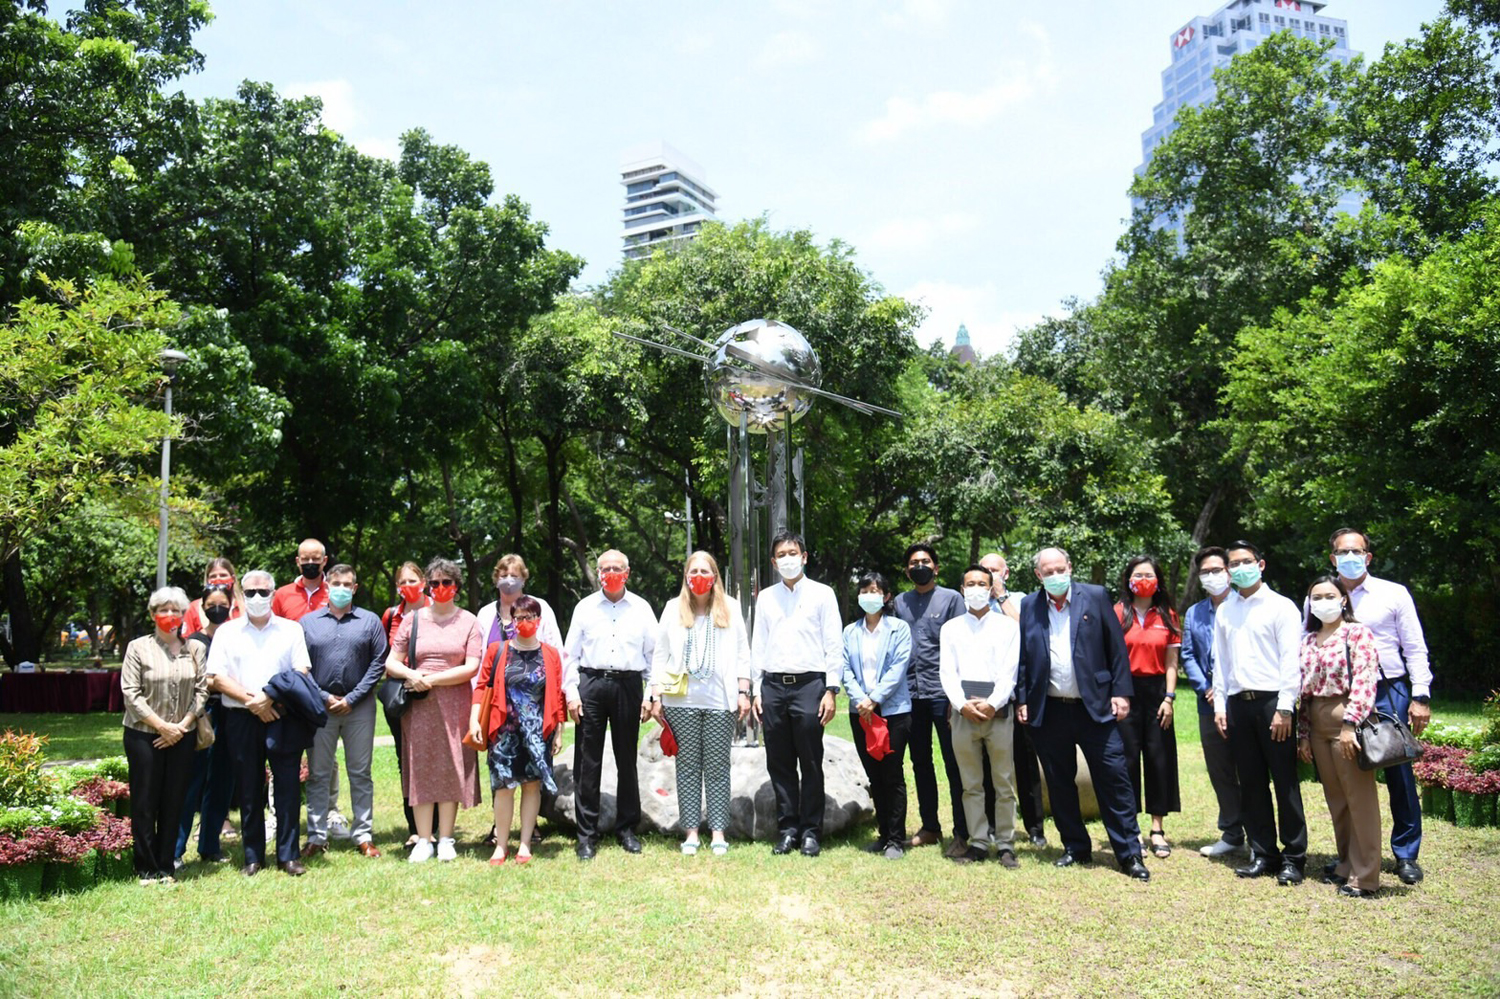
column 438, row 769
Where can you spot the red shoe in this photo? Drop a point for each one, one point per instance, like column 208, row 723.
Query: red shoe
column 523, row 859
column 497, row 861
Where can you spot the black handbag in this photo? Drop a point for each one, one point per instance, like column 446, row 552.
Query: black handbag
column 1384, row 740
column 395, row 696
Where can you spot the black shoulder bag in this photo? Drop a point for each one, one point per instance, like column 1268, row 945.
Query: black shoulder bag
column 1384, row 740
column 395, row 695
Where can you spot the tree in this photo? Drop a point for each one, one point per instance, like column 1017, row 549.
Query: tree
column 78, row 376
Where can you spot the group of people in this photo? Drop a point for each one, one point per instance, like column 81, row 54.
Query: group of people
column 1011, row 687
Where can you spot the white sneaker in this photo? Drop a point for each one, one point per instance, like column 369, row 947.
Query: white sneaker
column 445, row 850
column 1221, row 848
column 421, row 853
column 338, row 827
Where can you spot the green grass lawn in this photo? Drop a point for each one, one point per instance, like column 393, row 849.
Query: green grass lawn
column 751, row 923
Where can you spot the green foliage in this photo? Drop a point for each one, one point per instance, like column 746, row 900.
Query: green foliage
column 64, row 812
column 1441, row 733
column 23, row 781
column 77, row 373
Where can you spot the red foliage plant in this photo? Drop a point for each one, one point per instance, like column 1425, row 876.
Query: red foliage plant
column 98, row 790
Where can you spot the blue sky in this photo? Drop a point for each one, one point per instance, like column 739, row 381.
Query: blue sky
column 976, row 154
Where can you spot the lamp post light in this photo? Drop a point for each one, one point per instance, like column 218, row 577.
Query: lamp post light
column 170, row 359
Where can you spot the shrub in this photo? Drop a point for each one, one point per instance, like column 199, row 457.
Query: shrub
column 1441, row 733
column 64, row 812
column 23, row 781
column 14, row 852
column 111, row 836
column 98, row 790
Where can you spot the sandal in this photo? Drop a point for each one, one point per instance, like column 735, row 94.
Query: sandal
column 689, row 849
column 523, row 858
column 498, row 861
column 720, row 849
column 1160, row 848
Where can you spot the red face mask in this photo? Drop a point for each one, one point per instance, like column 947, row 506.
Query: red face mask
column 168, row 621
column 1143, row 587
column 700, row 584
column 444, row 594
column 411, row 592
column 613, row 582
column 527, row 629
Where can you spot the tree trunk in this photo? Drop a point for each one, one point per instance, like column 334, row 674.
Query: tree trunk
column 1200, row 531
column 461, row 538
column 25, row 643
column 555, row 469
column 513, row 483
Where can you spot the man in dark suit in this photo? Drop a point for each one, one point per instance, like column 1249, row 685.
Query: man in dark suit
column 1074, row 688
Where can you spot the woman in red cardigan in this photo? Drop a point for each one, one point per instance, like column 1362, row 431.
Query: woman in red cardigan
column 526, row 711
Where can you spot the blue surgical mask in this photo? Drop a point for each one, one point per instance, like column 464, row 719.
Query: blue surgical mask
column 1058, row 585
column 1351, row 567
column 871, row 602
column 341, row 596
column 1245, row 576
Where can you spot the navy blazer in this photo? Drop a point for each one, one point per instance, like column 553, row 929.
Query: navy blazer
column 301, row 706
column 1100, row 662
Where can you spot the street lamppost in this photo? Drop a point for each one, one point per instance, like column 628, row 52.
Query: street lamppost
column 170, row 359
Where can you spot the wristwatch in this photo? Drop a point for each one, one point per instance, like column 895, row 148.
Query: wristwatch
column 1423, row 699
column 1284, row 714
column 831, row 690
column 1171, row 695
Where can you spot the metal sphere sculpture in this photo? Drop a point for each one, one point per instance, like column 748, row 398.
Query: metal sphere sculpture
column 763, row 386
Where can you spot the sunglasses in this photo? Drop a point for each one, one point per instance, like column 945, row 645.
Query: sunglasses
column 444, row 582
column 258, row 592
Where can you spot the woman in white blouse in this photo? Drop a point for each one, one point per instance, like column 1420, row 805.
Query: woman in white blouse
column 700, row 680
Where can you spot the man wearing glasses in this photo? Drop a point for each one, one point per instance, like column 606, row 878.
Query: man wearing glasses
column 1405, row 687
column 1257, row 678
column 609, row 646
column 246, row 653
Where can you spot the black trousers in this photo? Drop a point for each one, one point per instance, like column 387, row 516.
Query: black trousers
column 794, row 739
column 159, row 781
column 929, row 715
column 1147, row 742
column 614, row 700
column 246, row 735
column 1028, row 784
column 887, row 776
column 1255, row 754
column 1066, row 728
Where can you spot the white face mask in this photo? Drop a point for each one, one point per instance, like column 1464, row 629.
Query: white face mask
column 871, row 602
column 790, row 566
column 257, row 606
column 1327, row 609
column 977, row 596
column 1214, row 581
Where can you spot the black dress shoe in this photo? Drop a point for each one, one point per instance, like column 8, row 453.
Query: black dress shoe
column 1350, row 892
column 1007, row 859
column 876, row 847
column 810, row 846
column 1330, row 869
column 250, row 870
column 786, row 844
column 1259, row 867
column 1334, row 879
column 1039, row 841
column 585, row 849
column 973, row 855
column 1408, row 871
column 628, row 841
column 1069, row 859
column 1290, row 873
column 1135, row 868
column 292, row 867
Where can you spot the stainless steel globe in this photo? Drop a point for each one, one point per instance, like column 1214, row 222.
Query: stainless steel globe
column 762, row 390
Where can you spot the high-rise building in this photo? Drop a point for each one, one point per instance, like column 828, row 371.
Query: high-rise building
column 1209, row 42
column 666, row 198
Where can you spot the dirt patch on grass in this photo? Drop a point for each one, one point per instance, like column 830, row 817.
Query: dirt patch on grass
column 476, row 969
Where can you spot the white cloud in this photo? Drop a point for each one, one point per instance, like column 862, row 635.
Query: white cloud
column 919, row 232
column 340, row 110
column 787, row 48
column 919, row 12
column 991, row 326
column 1015, row 83
column 385, row 149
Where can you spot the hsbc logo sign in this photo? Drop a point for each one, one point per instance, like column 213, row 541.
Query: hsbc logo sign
column 1183, row 37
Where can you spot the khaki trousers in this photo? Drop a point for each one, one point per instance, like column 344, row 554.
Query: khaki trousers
column 971, row 741
column 1350, row 792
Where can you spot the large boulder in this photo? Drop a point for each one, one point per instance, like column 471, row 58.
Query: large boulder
column 1088, row 802
column 752, row 809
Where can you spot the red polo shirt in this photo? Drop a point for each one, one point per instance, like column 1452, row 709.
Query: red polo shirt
column 294, row 600
column 1147, row 641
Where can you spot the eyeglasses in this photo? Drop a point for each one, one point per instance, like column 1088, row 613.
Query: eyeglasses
column 1137, row 575
column 1236, row 563
column 444, row 582
column 259, row 591
column 525, row 617
column 1350, row 551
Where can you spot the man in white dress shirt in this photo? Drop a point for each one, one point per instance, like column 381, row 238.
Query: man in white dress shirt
column 1257, row 677
column 609, row 646
column 1405, row 687
column 246, row 652
column 797, row 657
column 977, row 663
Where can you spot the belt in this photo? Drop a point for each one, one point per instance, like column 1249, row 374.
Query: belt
column 1253, row 695
column 607, row 673
column 791, row 679
column 1064, row 700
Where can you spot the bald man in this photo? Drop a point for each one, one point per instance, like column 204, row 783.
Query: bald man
column 610, row 641
column 309, row 592
column 1028, row 770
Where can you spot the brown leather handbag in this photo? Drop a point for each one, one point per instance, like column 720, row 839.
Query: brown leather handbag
column 489, row 699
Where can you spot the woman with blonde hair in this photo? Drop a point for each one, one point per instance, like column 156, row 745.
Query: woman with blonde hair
column 700, row 679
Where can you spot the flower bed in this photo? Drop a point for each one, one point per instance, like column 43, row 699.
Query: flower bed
column 1459, row 785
